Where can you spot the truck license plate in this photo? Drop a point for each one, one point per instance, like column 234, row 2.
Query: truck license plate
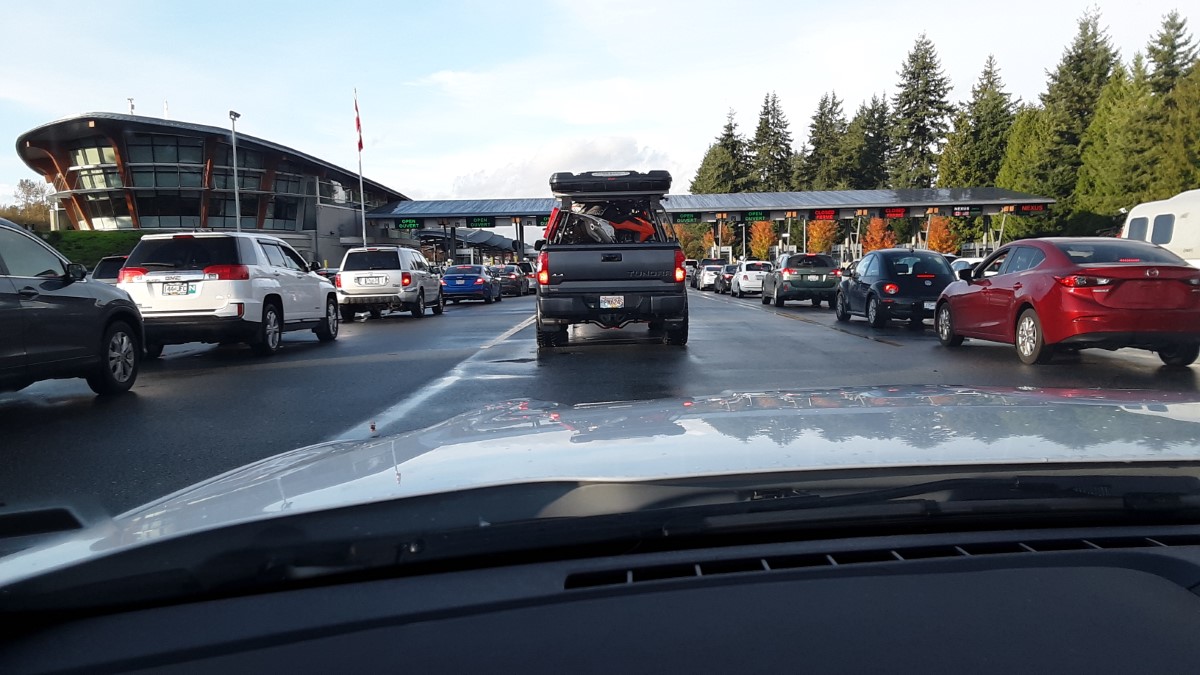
column 177, row 288
column 930, row 305
column 612, row 302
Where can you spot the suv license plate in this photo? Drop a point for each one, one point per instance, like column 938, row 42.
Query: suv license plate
column 612, row 302
column 814, row 277
column 930, row 305
column 370, row 281
column 177, row 288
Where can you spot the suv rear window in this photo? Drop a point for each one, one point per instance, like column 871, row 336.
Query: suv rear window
column 108, row 268
column 811, row 261
column 371, row 260
column 1118, row 251
column 184, row 253
column 758, row 267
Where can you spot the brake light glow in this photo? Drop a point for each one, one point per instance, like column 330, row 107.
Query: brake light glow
column 543, row 268
column 406, row 279
column 926, row 276
column 337, row 280
column 512, row 276
column 442, row 282
column 183, row 236
column 479, row 281
column 1081, row 281
column 131, row 274
column 226, row 273
column 891, row 289
column 835, row 273
column 1129, row 260
column 787, row 272
column 680, row 270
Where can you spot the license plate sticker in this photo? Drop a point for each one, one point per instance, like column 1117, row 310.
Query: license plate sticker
column 177, row 288
column 930, row 305
column 612, row 302
column 814, row 277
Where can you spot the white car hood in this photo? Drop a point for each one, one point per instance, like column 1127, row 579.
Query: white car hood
column 525, row 441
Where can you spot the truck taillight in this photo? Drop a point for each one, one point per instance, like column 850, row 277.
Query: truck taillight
column 543, row 268
column 337, row 280
column 226, row 273
column 131, row 274
column 680, row 272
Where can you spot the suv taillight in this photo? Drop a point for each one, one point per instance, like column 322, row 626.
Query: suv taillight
column 405, row 279
column 337, row 280
column 680, row 271
column 227, row 273
column 543, row 268
column 131, row 274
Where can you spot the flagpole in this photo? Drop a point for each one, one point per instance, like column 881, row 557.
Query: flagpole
column 362, row 194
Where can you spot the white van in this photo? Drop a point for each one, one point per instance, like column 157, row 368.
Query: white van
column 1171, row 223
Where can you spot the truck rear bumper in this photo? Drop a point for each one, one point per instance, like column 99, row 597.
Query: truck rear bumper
column 585, row 308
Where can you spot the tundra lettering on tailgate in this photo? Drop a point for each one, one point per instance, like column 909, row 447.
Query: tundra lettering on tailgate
column 642, row 274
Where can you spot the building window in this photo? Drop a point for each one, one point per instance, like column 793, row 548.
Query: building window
column 99, row 179
column 221, row 209
column 165, row 149
column 290, row 184
column 247, row 158
column 168, row 208
column 282, row 213
column 248, row 179
column 107, row 210
column 92, row 151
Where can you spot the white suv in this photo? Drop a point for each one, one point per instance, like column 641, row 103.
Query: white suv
column 375, row 278
column 226, row 287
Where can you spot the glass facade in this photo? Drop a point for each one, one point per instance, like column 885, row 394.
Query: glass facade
column 123, row 174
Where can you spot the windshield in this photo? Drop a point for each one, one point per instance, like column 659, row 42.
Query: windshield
column 379, row 252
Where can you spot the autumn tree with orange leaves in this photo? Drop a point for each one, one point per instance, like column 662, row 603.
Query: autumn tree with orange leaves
column 878, row 236
column 822, row 234
column 940, row 238
column 762, row 238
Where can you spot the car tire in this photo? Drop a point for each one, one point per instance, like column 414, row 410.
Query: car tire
column 488, row 299
column 500, row 295
column 876, row 314
column 841, row 311
column 376, row 313
column 776, row 299
column 943, row 325
column 1179, row 355
column 327, row 330
column 441, row 304
column 269, row 337
column 677, row 336
column 1030, row 341
column 740, row 292
column 454, row 301
column 120, row 356
column 655, row 326
column 816, row 302
column 348, row 313
column 153, row 350
column 418, row 310
column 766, row 299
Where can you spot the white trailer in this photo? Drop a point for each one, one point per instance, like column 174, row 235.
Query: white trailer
column 1171, row 223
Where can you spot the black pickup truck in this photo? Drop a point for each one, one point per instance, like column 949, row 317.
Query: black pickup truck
column 609, row 258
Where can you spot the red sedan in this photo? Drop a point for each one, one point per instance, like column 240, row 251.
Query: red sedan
column 1067, row 294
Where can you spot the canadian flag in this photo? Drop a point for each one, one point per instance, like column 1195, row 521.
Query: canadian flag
column 357, row 121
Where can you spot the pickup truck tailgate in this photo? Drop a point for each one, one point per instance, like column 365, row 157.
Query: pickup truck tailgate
column 619, row 264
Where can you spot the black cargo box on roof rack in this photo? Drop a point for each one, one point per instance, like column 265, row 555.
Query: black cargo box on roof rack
column 608, row 182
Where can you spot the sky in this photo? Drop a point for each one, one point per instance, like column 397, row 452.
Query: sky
column 463, row 100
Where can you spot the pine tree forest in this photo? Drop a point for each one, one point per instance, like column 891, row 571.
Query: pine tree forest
column 1107, row 132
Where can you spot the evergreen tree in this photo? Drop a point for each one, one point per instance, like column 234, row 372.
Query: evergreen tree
column 975, row 149
column 1022, row 168
column 802, row 178
column 1115, row 172
column 771, row 167
column 1177, row 166
column 825, row 163
column 865, row 146
column 1069, row 105
column 919, row 114
column 725, row 167
column 1171, row 54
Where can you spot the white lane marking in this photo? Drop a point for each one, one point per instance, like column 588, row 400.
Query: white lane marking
column 509, row 333
column 404, row 407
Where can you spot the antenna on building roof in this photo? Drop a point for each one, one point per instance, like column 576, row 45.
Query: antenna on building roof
column 130, row 105
column 166, row 110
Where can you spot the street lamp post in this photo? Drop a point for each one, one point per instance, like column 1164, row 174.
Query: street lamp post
column 237, row 200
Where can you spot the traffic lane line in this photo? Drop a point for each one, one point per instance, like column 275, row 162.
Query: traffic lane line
column 795, row 317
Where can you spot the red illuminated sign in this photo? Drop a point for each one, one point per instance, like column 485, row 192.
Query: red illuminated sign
column 895, row 212
column 1031, row 208
column 824, row 214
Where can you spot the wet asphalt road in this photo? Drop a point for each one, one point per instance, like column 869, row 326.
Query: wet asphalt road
column 202, row 410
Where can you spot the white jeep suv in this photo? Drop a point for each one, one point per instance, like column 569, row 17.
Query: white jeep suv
column 375, row 278
column 226, row 287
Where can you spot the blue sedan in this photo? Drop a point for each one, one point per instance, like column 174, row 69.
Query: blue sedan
column 470, row 282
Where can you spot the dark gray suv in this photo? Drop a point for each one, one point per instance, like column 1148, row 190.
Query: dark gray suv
column 58, row 324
